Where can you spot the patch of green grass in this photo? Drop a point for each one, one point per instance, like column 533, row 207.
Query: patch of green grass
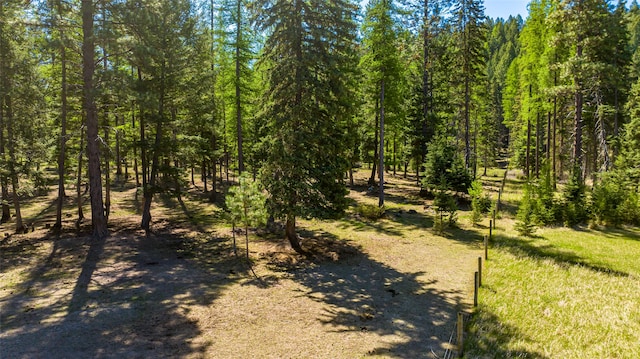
column 564, row 294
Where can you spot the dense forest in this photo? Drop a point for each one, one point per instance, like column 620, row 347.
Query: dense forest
column 296, row 94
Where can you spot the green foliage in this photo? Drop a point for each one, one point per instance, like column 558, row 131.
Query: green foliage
column 446, row 209
column 480, row 201
column 308, row 105
column 370, row 211
column 548, row 209
column 246, row 203
column 614, row 201
column 444, row 167
column 525, row 218
column 574, row 203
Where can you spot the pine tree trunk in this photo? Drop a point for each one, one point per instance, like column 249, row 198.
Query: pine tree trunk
column 63, row 136
column 577, row 126
column 292, row 236
column 107, row 173
column 527, row 165
column 425, row 84
column 203, row 176
column 467, row 115
column 15, row 186
column 237, row 83
column 79, row 183
column 118, row 154
column 148, row 194
column 4, row 183
column 381, row 150
column 538, row 144
column 133, row 139
column 98, row 219
column 372, row 179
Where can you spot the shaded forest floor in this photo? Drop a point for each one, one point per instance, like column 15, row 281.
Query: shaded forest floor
column 388, row 288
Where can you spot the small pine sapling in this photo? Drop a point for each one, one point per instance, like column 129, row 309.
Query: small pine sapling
column 246, row 206
column 480, row 202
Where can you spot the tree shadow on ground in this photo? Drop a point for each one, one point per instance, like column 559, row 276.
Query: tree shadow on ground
column 407, row 311
column 620, row 232
column 488, row 337
column 126, row 296
column 521, row 247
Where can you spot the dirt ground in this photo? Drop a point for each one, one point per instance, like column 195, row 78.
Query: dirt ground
column 389, row 288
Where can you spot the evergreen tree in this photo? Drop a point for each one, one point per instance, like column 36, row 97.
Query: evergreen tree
column 470, row 40
column 381, row 64
column 98, row 219
column 308, row 106
column 165, row 35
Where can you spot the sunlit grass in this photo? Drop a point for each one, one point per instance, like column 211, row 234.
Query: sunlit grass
column 567, row 293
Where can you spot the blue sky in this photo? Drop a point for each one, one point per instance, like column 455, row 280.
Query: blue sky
column 504, row 8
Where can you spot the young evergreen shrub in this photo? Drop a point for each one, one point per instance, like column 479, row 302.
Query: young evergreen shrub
column 574, row 205
column 547, row 210
column 606, row 199
column 630, row 208
column 614, row 201
column 444, row 167
column 480, row 202
column 370, row 211
column 446, row 209
column 525, row 218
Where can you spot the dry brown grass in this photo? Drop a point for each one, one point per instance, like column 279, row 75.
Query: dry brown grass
column 387, row 288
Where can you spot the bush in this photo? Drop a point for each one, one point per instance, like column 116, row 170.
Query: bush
column 525, row 218
column 548, row 209
column 370, row 211
column 574, row 205
column 444, row 167
column 614, row 202
column 480, row 202
column 446, row 210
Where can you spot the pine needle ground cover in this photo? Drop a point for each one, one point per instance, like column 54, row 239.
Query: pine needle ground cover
column 388, row 287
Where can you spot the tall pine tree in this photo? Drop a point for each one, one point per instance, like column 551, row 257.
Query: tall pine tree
column 307, row 106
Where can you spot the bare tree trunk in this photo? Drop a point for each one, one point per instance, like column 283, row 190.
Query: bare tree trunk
column 577, row 126
column 528, row 155
column 133, row 138
column 79, row 181
column 63, row 134
column 372, row 179
column 6, row 214
column 537, row 164
column 291, row 235
column 15, row 186
column 467, row 104
column 149, row 192
column 118, row 153
column 238, row 103
column 107, row 172
column 381, row 150
column 98, row 220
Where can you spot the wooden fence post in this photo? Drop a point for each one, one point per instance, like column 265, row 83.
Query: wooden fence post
column 475, row 290
column 479, row 271
column 486, row 248
column 460, row 333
